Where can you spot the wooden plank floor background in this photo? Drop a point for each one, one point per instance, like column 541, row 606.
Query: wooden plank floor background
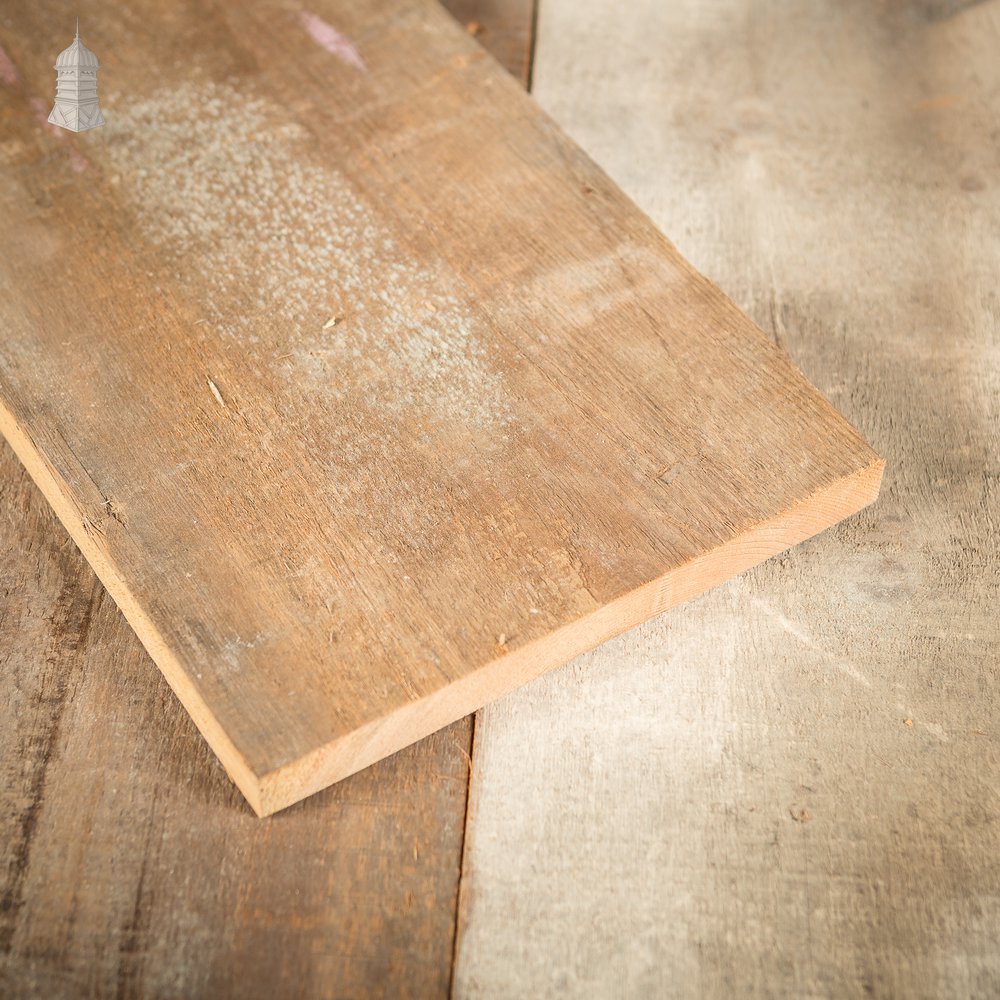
column 788, row 788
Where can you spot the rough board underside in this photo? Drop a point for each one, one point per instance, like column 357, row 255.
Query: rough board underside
column 367, row 395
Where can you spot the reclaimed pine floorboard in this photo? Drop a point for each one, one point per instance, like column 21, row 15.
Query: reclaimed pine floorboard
column 366, row 393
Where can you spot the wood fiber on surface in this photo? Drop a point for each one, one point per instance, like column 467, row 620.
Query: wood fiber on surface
column 368, row 396
column 789, row 787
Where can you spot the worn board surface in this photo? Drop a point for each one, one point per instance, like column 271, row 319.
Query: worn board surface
column 129, row 864
column 365, row 392
column 790, row 787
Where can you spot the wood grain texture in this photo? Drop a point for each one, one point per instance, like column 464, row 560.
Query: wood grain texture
column 129, row 866
column 789, row 787
column 367, row 395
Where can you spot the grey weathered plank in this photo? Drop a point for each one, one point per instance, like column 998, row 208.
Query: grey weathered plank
column 791, row 787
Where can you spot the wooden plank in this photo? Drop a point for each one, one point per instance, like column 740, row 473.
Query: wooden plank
column 788, row 788
column 154, row 880
column 505, row 28
column 366, row 394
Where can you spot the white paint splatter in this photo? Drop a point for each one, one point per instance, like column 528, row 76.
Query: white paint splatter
column 234, row 198
column 327, row 37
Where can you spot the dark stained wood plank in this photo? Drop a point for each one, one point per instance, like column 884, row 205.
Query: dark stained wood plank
column 505, row 28
column 129, row 865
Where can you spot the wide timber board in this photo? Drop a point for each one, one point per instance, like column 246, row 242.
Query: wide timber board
column 366, row 393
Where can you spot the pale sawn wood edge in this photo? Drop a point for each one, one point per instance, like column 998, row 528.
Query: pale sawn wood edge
column 368, row 744
column 59, row 498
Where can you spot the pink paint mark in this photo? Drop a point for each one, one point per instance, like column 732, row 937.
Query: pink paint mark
column 8, row 71
column 327, row 37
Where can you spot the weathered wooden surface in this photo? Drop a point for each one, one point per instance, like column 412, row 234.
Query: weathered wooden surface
column 790, row 787
column 129, row 866
column 366, row 394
